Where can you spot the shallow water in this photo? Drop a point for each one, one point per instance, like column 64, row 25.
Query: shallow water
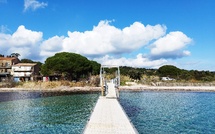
column 150, row 112
column 170, row 112
column 57, row 114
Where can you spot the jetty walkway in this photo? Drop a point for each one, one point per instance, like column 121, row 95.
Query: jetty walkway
column 108, row 116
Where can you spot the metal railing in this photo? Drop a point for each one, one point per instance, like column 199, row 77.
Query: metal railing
column 104, row 80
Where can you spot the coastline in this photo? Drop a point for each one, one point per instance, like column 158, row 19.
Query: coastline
column 168, row 88
column 57, row 89
column 121, row 88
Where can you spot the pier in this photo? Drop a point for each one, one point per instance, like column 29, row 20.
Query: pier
column 108, row 116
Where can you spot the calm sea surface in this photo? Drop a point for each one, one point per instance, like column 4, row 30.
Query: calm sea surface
column 170, row 112
column 150, row 112
column 52, row 115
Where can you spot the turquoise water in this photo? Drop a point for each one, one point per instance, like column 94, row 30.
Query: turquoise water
column 54, row 115
column 150, row 112
column 170, row 112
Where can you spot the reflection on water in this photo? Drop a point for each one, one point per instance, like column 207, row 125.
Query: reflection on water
column 10, row 96
column 170, row 112
column 59, row 114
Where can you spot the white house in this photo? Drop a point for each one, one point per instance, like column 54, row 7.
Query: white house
column 24, row 71
column 166, row 78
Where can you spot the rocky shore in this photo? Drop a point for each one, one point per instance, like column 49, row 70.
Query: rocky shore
column 121, row 88
column 168, row 88
column 56, row 89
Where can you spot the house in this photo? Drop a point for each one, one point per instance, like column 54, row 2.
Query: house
column 25, row 71
column 167, row 79
column 6, row 66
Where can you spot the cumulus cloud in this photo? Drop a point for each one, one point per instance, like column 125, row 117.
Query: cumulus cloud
column 138, row 61
column 105, row 44
column 34, row 5
column 23, row 41
column 105, row 39
column 171, row 46
column 25, row 37
column 51, row 46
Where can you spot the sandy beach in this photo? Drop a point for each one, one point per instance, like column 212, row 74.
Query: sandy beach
column 121, row 88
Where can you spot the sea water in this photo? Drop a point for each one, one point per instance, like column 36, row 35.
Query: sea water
column 54, row 115
column 170, row 112
column 150, row 112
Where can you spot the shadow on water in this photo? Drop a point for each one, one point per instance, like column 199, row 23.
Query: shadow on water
column 20, row 95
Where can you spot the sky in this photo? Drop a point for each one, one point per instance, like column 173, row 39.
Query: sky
column 135, row 33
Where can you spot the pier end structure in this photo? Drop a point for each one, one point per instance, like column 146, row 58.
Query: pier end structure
column 110, row 84
column 108, row 116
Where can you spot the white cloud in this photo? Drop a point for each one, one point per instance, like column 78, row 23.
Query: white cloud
column 33, row 5
column 171, row 46
column 25, row 37
column 106, row 39
column 104, row 43
column 51, row 46
column 23, row 41
column 138, row 61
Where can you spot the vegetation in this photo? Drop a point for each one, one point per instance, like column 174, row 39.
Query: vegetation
column 192, row 75
column 70, row 65
column 95, row 68
column 11, row 55
column 26, row 61
column 14, row 55
column 52, row 84
column 76, row 67
column 169, row 70
column 153, row 76
column 59, row 64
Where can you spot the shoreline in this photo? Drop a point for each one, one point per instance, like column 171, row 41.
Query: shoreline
column 121, row 88
column 57, row 89
column 169, row 88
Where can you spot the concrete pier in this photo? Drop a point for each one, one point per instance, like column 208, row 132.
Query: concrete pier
column 109, row 117
column 111, row 93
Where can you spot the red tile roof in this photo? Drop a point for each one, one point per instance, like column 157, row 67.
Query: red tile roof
column 8, row 58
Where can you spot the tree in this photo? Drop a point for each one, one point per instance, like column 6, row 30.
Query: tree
column 169, row 70
column 124, row 70
column 95, row 67
column 186, row 75
column 71, row 65
column 134, row 74
column 15, row 55
column 26, row 61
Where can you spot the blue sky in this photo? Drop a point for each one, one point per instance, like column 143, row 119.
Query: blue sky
column 137, row 33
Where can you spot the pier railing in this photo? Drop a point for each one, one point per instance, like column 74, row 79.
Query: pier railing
column 108, row 116
column 104, row 80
